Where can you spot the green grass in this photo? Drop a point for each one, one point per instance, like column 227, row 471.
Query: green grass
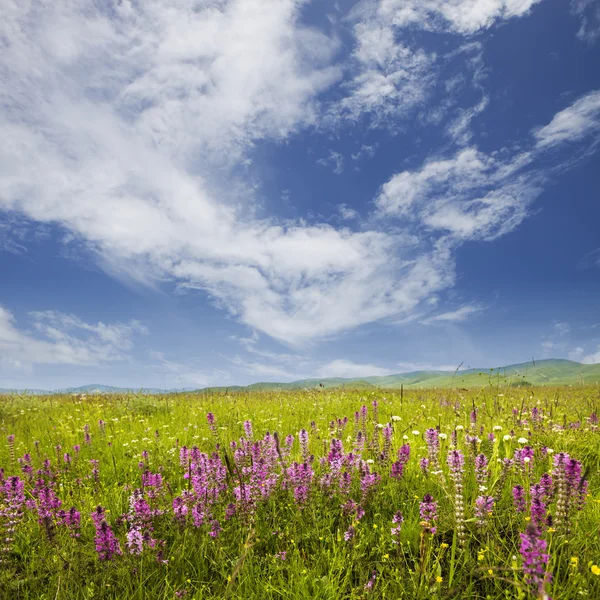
column 244, row 561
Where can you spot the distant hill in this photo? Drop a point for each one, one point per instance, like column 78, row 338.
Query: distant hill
column 543, row 372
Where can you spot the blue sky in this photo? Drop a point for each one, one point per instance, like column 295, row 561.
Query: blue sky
column 217, row 192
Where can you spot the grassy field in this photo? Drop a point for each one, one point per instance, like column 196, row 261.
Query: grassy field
column 334, row 493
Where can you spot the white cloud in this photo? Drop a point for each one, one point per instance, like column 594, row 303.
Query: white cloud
column 592, row 358
column 185, row 374
column 335, row 160
column 128, row 124
column 409, row 367
column 60, row 339
column 477, row 196
column 590, row 260
column 588, row 12
column 458, row 16
column 110, row 118
column 579, row 120
column 348, row 369
column 454, row 316
column 347, row 213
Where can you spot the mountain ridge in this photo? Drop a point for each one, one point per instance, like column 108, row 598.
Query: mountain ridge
column 552, row 371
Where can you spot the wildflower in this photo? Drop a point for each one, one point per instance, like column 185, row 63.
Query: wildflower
column 483, row 508
column 350, row 533
column 416, row 432
column 428, row 513
column 535, row 559
column 424, row 465
column 397, row 519
column 371, row 583
column 481, row 470
column 439, row 579
column 456, row 462
column 522, row 440
column 396, row 418
column 107, row 545
column 595, row 569
column 398, row 466
column 519, row 498
column 433, row 447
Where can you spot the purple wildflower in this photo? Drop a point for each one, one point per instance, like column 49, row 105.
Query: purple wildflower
column 428, row 513
column 535, row 559
column 519, row 498
column 483, row 509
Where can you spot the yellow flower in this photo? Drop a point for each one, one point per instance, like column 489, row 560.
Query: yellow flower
column 490, row 572
column 386, row 556
column 480, row 556
column 551, row 530
column 574, row 560
column 443, row 545
column 439, row 579
column 188, row 580
column 595, row 569
column 374, row 525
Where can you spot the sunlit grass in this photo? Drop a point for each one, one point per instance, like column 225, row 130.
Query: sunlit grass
column 286, row 542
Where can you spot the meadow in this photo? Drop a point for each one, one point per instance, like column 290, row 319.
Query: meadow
column 492, row 493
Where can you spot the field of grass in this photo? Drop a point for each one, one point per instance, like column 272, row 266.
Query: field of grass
column 332, row 493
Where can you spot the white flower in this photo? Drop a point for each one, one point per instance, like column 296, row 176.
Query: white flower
column 380, row 426
column 522, row 440
column 550, row 451
column 370, row 461
column 404, row 437
column 459, row 428
column 416, row 432
column 442, row 436
column 396, row 418
column 349, row 439
column 506, row 437
column 497, row 427
column 527, row 459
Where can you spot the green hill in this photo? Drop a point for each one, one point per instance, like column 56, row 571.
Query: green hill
column 543, row 372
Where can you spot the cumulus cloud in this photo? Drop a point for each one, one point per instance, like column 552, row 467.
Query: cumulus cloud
column 55, row 338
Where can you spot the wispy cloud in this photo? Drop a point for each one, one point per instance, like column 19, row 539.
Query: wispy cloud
column 59, row 339
column 580, row 120
column 335, row 161
column 473, row 195
column 454, row 316
column 348, row 369
column 588, row 12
